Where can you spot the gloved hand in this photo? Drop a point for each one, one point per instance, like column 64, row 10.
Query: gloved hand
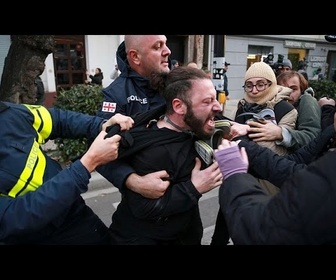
column 230, row 160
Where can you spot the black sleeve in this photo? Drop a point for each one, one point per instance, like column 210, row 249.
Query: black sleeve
column 39, row 88
column 265, row 164
column 301, row 213
column 116, row 172
column 327, row 115
column 315, row 149
column 96, row 79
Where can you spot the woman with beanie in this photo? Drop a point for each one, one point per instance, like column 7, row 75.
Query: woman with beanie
column 308, row 123
column 262, row 92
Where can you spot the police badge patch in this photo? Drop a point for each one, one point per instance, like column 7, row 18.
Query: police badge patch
column 109, row 107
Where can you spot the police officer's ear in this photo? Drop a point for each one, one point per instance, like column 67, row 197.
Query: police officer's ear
column 134, row 56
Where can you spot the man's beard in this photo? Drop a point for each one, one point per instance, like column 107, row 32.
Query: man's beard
column 196, row 125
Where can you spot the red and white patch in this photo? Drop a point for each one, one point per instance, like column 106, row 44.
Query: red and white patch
column 109, row 107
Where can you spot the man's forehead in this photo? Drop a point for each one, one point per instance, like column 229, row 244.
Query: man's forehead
column 152, row 39
column 202, row 86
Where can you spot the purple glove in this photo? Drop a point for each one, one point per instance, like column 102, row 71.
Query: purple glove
column 230, row 162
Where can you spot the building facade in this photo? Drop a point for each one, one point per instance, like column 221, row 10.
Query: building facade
column 87, row 52
column 241, row 51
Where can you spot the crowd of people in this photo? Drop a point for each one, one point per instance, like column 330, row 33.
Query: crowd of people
column 273, row 170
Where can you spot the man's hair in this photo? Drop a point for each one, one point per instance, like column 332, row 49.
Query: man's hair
column 176, row 83
column 283, row 77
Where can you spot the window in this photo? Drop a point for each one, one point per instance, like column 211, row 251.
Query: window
column 69, row 61
column 257, row 53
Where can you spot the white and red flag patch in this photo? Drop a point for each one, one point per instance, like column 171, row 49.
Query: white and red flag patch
column 109, row 107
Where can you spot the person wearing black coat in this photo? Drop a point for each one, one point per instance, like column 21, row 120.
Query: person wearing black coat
column 302, row 213
column 97, row 78
column 265, row 164
column 40, row 92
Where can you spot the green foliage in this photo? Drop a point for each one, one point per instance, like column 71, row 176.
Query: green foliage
column 80, row 98
column 323, row 88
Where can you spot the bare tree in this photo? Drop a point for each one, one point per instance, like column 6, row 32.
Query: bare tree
column 24, row 62
column 198, row 50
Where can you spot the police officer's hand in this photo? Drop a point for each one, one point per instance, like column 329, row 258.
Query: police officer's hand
column 101, row 151
column 125, row 122
column 152, row 185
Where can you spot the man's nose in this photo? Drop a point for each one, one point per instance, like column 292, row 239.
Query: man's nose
column 217, row 106
column 167, row 51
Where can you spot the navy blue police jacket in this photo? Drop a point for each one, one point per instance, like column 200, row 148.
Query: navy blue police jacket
column 26, row 169
column 128, row 94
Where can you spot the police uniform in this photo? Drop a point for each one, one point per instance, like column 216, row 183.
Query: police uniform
column 40, row 202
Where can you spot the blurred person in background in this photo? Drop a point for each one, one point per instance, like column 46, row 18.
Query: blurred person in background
column 96, row 79
column 285, row 65
column 175, row 63
column 115, row 73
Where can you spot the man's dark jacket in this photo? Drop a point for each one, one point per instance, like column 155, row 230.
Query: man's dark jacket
column 174, row 217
